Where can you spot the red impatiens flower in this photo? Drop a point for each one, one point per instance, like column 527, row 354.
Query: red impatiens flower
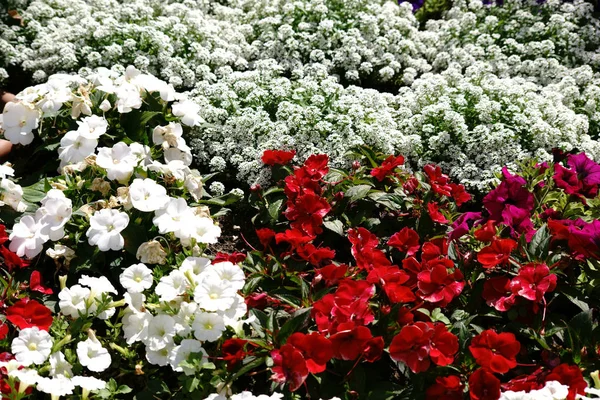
column 277, row 157
column 307, row 212
column 3, row 330
column 265, row 236
column 364, row 249
column 373, row 349
column 350, row 341
column 459, row 194
column 234, row 258
column 234, row 351
column 435, row 214
column 421, row 343
column 316, row 349
column 330, row 274
column 569, row 375
column 315, row 255
column 289, row 366
column 387, row 167
column 316, row 166
column 3, row 234
column 393, row 280
column 35, row 283
column 497, row 293
column 445, row 388
column 496, row 253
column 433, row 249
column 533, row 281
column 495, row 351
column 486, row 233
column 294, row 237
column 439, row 283
column 484, row 385
column 27, row 313
column 11, row 260
column 407, row 241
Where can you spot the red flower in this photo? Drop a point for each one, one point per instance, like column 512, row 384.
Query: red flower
column 289, row 366
column 459, row 194
column 3, row 234
column 294, row 237
column 330, row 274
column 316, row 349
column 234, row 258
column 571, row 376
column 486, row 233
column 314, row 255
column 373, row 349
column 422, row 342
column 35, row 283
column 438, row 181
column 350, row 341
column 393, row 281
column 260, row 301
column 435, row 214
column 11, row 260
column 407, row 241
column 483, row 385
column 307, row 212
column 496, row 253
column 533, row 281
column 445, row 388
column 233, row 351
column 265, row 235
column 364, row 249
column 3, row 330
column 497, row 293
column 277, row 157
column 440, row 282
column 27, row 313
column 316, row 167
column 495, row 351
column 387, row 167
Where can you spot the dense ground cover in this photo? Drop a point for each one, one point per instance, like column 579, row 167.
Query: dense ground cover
column 319, row 199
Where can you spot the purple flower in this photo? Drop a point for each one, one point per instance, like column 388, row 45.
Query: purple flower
column 581, row 179
column 509, row 192
column 460, row 227
column 416, row 4
column 519, row 221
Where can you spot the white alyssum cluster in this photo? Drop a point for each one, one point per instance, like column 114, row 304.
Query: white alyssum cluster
column 198, row 302
column 32, row 231
column 553, row 390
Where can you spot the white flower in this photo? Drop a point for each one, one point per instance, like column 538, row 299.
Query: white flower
column 174, row 216
column 6, row 170
column 105, row 105
column 56, row 387
column 105, row 229
column 151, row 252
column 54, row 214
column 183, row 155
column 88, row 384
column 18, row 121
column 27, row 377
column 159, row 357
column 208, row 326
column 75, row 147
column 184, row 317
column 202, row 229
column 73, row 301
column 193, row 183
column 136, row 278
column 32, row 346
column 128, row 97
column 97, row 285
column 188, row 111
column 182, row 352
column 92, row 127
column 92, row 355
column 147, row 195
column 168, row 136
column 59, row 365
column 171, row 286
column 135, row 302
column 228, row 272
column 196, row 265
column 213, row 295
column 12, row 194
column 161, row 331
column 119, row 161
column 60, row 251
column 135, row 327
column 25, row 238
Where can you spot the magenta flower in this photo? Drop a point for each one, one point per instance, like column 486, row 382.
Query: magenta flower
column 581, row 179
column 511, row 191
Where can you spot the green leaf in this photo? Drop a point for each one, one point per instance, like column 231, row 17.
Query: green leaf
column 274, row 208
column 335, row 175
column 540, row 243
column 336, row 226
column 293, row 325
column 33, row 195
column 250, row 365
column 357, row 192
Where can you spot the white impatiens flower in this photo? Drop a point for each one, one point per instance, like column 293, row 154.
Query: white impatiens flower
column 174, row 216
column 73, row 301
column 136, row 278
column 75, row 147
column 105, row 229
column 54, row 214
column 92, row 355
column 19, row 119
column 119, row 161
column 182, row 352
column 147, row 195
column 56, row 387
column 12, row 194
column 182, row 155
column 25, row 238
column 161, row 331
column 59, row 365
column 188, row 111
column 214, row 295
column 92, row 127
column 105, row 105
column 168, row 136
column 32, row 346
column 208, row 326
column 193, row 183
column 552, row 390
